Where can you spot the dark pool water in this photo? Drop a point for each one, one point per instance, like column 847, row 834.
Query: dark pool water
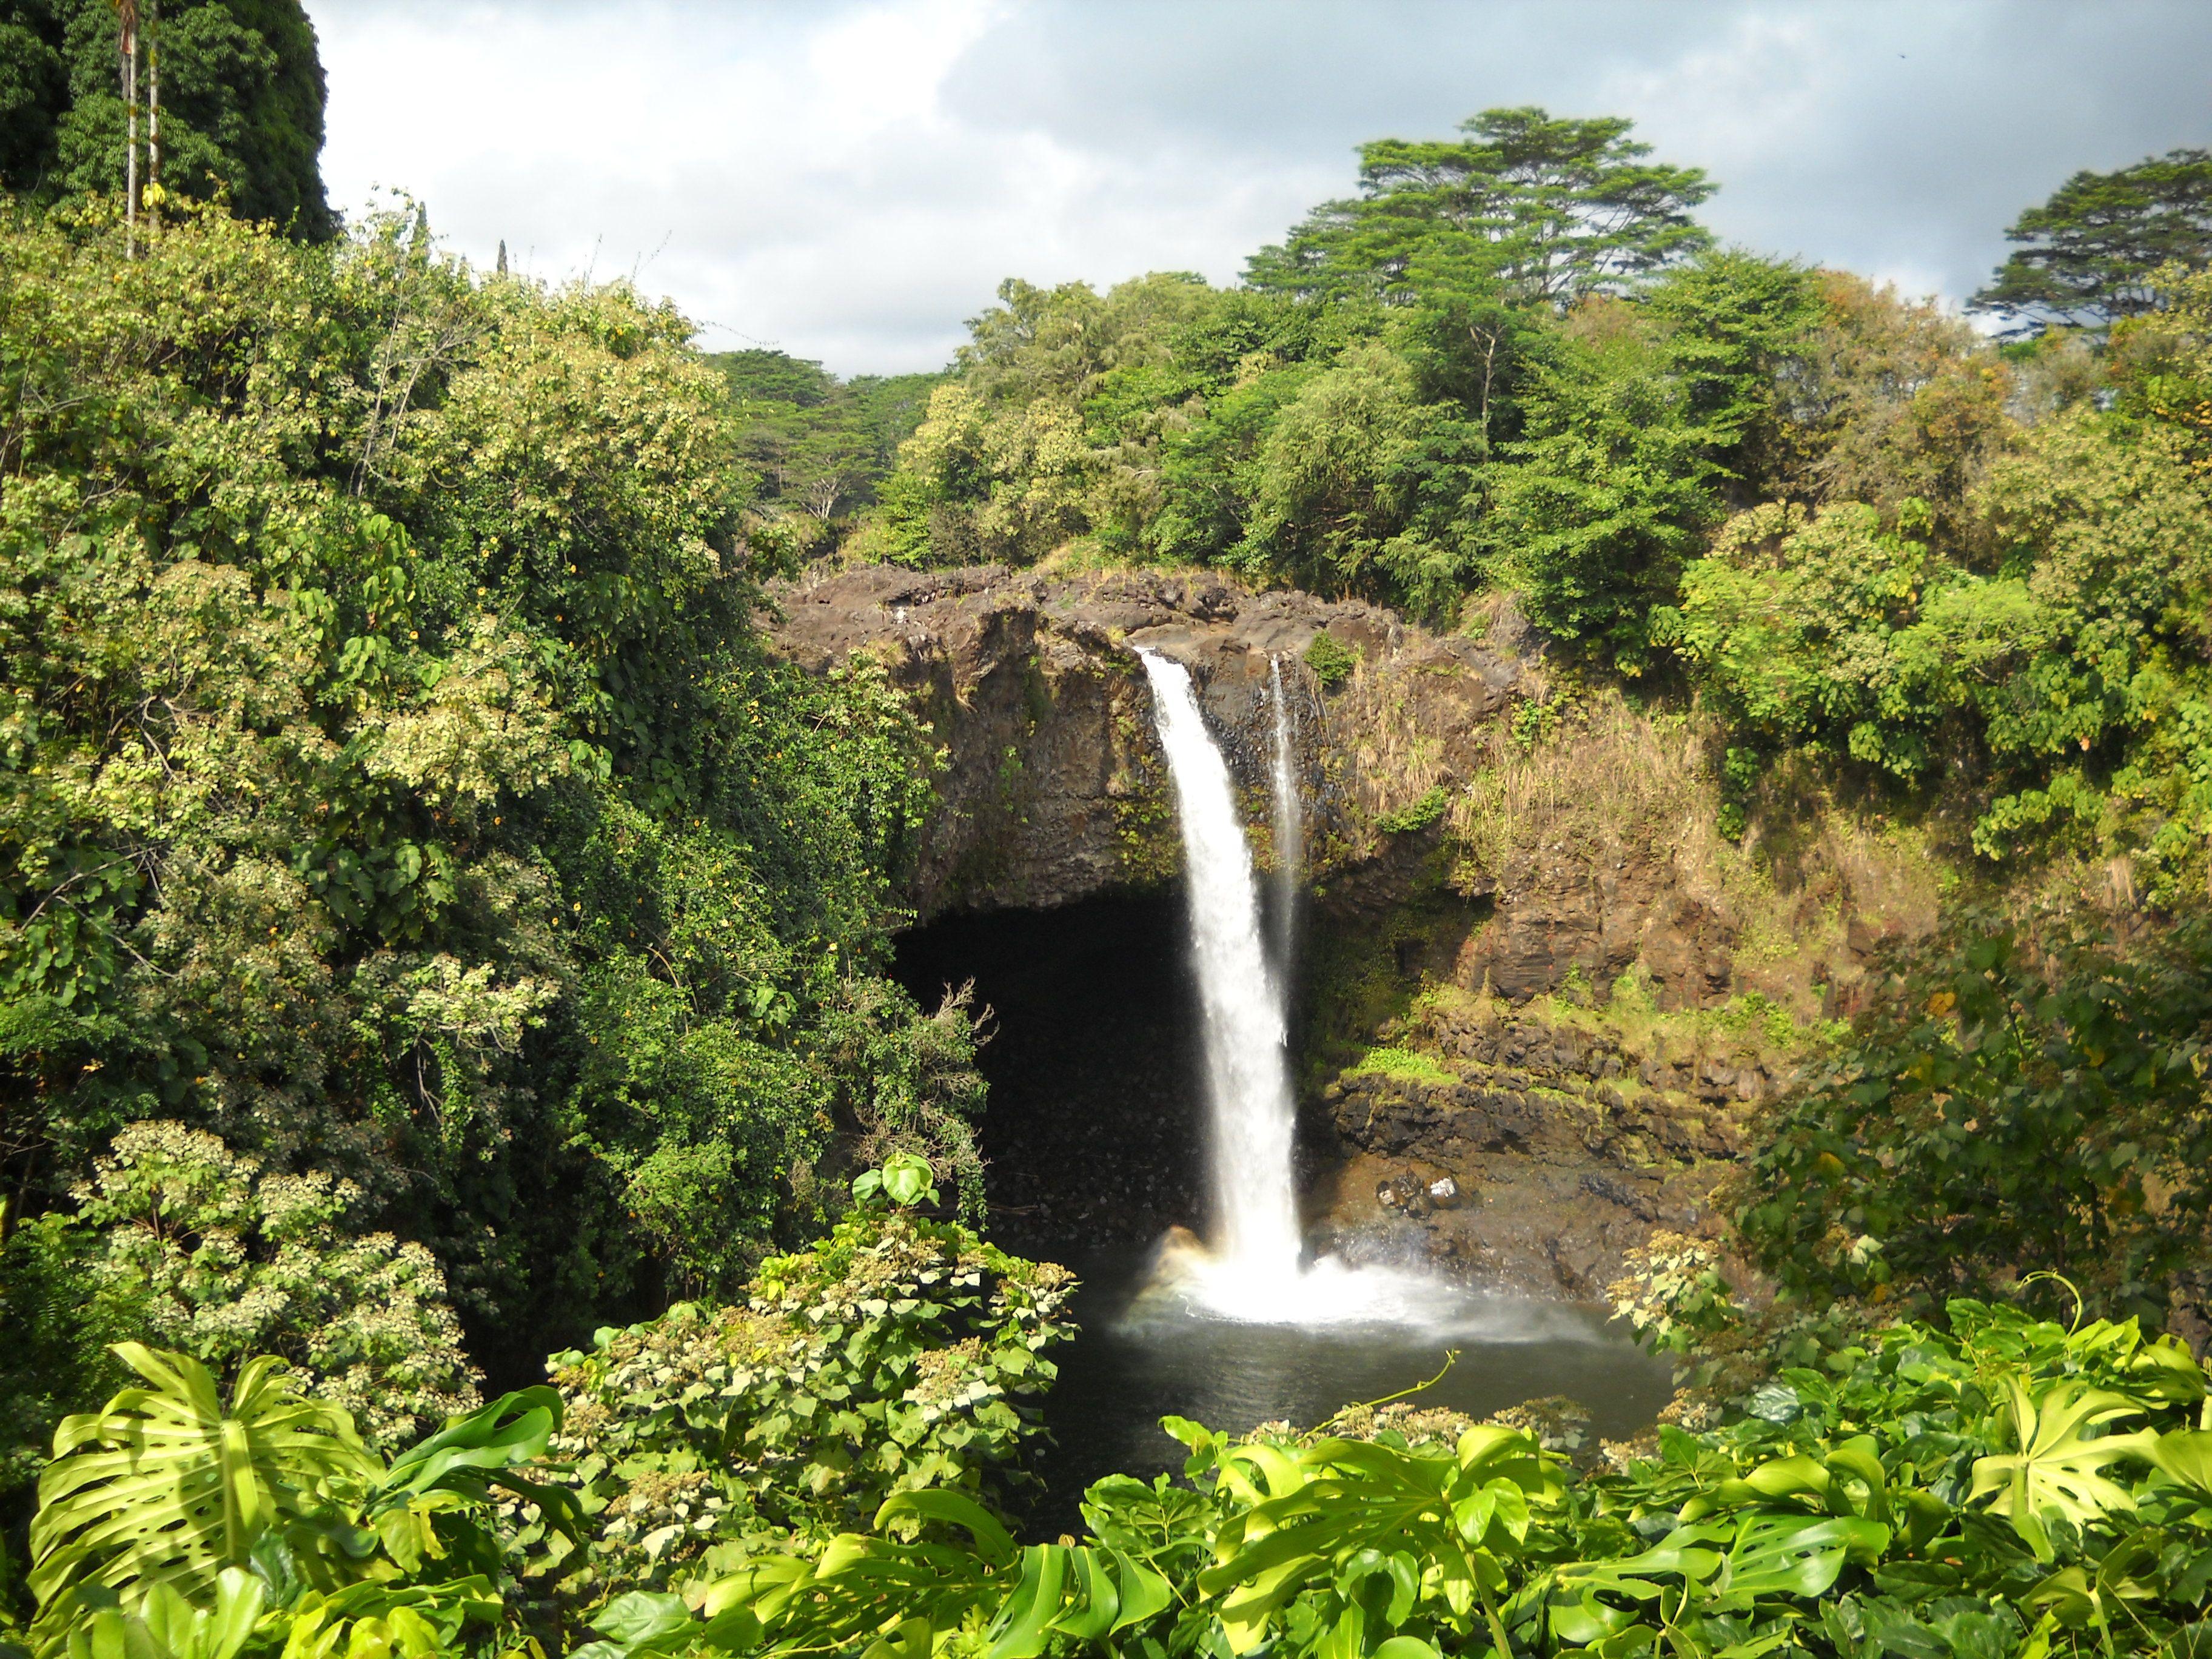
column 1094, row 1137
column 1137, row 1361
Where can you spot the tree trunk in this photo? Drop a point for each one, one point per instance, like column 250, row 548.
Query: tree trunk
column 126, row 17
column 154, row 105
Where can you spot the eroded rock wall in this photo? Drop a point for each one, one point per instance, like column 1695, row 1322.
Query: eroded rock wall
column 1056, row 789
column 1484, row 877
column 1566, row 1136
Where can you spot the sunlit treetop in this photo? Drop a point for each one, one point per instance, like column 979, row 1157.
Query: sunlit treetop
column 1529, row 205
column 2087, row 255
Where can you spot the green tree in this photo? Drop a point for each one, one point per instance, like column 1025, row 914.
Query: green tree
column 392, row 782
column 1591, row 514
column 1888, row 400
column 2022, row 1097
column 242, row 97
column 1534, row 207
column 820, row 447
column 2087, row 255
column 1736, row 324
column 1337, row 487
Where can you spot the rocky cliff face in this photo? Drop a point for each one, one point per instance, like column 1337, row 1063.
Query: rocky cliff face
column 1056, row 789
column 1470, row 851
column 1536, row 1148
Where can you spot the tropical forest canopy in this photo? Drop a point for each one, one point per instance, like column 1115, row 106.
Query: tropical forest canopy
column 436, row 931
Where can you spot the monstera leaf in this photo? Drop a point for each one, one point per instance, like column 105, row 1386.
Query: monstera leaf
column 1340, row 1520
column 2186, row 1456
column 2058, row 1470
column 165, row 1486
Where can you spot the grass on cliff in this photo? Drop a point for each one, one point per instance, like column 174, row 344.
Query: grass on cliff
column 1599, row 786
column 1412, row 1064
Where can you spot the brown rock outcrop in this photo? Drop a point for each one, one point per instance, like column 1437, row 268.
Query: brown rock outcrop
column 1569, row 1142
column 1055, row 790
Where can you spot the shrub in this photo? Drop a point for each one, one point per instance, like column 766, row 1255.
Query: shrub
column 1416, row 815
column 206, row 1251
column 1331, row 661
column 899, row 1354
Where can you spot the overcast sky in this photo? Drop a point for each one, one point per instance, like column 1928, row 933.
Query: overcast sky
column 848, row 179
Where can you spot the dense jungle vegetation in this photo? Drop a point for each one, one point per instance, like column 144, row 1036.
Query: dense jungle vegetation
column 433, row 930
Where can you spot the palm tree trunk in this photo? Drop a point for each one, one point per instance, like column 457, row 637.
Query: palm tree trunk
column 154, row 105
column 126, row 17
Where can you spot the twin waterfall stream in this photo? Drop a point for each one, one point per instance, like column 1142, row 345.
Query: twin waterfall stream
column 1254, row 1267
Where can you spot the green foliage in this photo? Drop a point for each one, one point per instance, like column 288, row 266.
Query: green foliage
column 1326, row 424
column 1390, row 1061
column 170, row 1524
column 2088, row 255
column 2161, row 364
column 899, row 1355
column 1016, row 1601
column 903, row 1181
column 241, row 105
column 1898, row 1484
column 2076, row 668
column 1637, row 421
column 391, row 779
column 1595, row 510
column 205, row 1252
column 1965, row 1491
column 168, row 1626
column 167, row 1485
column 1416, row 815
column 1332, row 662
column 58, row 1334
column 1336, row 487
column 2021, row 1098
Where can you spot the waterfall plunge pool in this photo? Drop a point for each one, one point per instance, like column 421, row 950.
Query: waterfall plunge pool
column 1140, row 1357
column 1095, row 1135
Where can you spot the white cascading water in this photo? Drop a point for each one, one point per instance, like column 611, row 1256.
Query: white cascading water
column 1252, row 1270
column 1247, row 1072
column 1290, row 848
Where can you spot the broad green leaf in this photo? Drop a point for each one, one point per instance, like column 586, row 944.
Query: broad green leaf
column 641, row 1616
column 912, row 1639
column 1096, row 1602
column 2186, row 1455
column 1587, row 1620
column 1144, row 1593
column 995, row 1543
column 2058, row 1469
column 1020, row 1630
column 164, row 1484
column 1797, row 1556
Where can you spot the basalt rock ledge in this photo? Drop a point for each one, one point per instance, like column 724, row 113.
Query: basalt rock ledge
column 1056, row 789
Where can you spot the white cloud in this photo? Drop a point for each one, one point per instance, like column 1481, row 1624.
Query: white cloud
column 850, row 179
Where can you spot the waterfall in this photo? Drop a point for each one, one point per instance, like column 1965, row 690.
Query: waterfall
column 1290, row 849
column 1248, row 1077
column 1252, row 1271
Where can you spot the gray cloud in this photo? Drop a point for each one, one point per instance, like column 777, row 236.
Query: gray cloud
column 850, row 180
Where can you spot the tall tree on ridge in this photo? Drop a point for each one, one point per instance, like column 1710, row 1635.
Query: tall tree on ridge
column 2087, row 253
column 1527, row 205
